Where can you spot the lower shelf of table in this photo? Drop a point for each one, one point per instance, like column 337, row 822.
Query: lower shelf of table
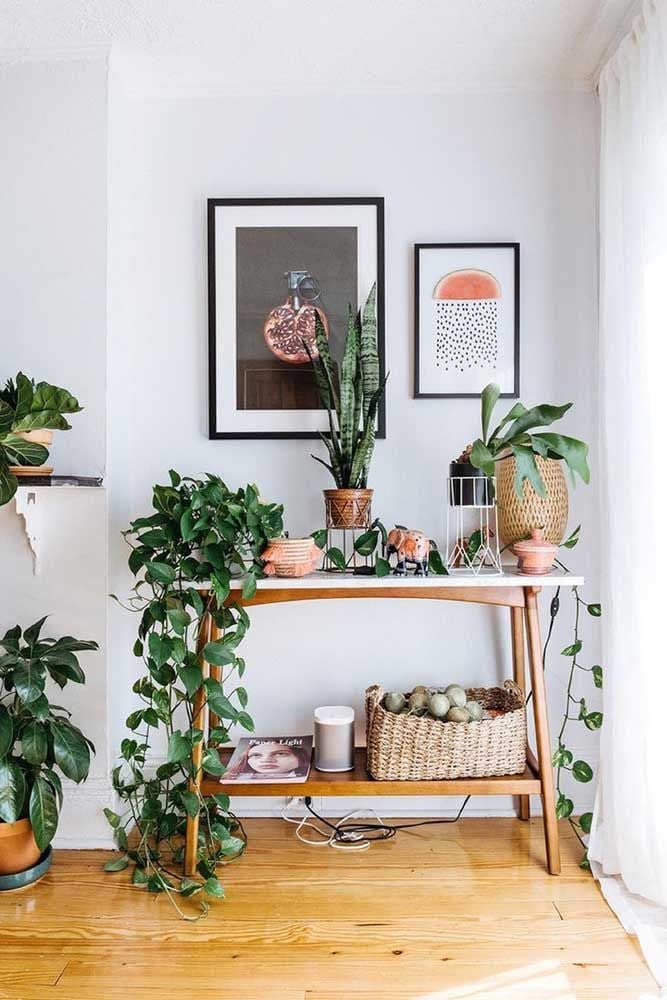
column 359, row 782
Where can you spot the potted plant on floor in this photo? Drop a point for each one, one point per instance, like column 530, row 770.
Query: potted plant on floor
column 29, row 413
column 37, row 739
column 528, row 465
column 351, row 403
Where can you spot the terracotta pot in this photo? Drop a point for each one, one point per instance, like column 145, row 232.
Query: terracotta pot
column 536, row 556
column 37, row 437
column 348, row 508
column 517, row 518
column 18, row 849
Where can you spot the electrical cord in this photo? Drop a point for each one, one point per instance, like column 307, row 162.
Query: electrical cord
column 351, row 834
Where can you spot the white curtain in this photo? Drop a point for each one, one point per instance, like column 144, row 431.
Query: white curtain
column 628, row 844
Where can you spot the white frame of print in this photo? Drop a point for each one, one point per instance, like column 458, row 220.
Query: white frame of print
column 418, row 248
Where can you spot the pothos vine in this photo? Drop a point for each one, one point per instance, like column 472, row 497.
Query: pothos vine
column 563, row 758
column 200, row 531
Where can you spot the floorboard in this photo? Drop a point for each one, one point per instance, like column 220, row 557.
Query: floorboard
column 445, row 912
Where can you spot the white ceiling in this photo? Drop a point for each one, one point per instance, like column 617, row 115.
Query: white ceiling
column 257, row 46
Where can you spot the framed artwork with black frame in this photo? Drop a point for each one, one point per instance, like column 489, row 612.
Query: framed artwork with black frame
column 466, row 319
column 274, row 264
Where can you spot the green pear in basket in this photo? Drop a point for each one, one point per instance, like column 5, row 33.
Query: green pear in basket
column 474, row 710
column 456, row 695
column 457, row 714
column 394, row 702
column 438, row 705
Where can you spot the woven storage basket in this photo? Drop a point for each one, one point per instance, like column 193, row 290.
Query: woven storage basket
column 410, row 748
column 348, row 508
column 517, row 518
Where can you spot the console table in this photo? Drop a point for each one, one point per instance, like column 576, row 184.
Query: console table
column 510, row 590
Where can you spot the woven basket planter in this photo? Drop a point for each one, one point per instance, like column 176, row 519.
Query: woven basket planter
column 517, row 518
column 410, row 748
column 348, row 508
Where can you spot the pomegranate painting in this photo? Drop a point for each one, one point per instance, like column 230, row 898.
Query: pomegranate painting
column 466, row 320
column 289, row 329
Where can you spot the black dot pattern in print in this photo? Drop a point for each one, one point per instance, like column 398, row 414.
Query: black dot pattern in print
column 466, row 334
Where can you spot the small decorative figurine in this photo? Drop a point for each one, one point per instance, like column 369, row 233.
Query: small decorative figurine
column 291, row 557
column 409, row 547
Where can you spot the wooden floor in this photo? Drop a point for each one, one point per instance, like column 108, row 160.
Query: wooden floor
column 457, row 911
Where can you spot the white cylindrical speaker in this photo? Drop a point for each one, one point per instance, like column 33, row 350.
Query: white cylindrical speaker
column 334, row 738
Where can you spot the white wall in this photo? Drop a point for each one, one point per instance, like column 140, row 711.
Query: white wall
column 53, row 212
column 451, row 168
column 53, row 219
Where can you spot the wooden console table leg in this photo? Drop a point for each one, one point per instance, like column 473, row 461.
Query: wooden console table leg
column 542, row 731
column 198, row 718
column 519, row 664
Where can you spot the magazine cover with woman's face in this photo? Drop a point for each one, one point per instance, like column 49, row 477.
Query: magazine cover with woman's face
column 270, row 758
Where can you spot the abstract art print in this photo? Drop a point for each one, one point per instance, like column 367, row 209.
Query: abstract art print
column 466, row 318
column 275, row 266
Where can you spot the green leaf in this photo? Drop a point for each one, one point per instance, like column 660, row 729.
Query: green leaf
column 112, row 818
column 117, row 864
column 368, row 353
column 139, row 876
column 243, row 719
column 366, row 543
column 34, row 743
column 221, row 800
column 526, row 469
column 570, row 542
column 249, row 587
column 562, row 757
column 572, row 650
column 593, row 720
column 212, row 764
column 595, row 610
column 6, row 732
column 31, row 634
column 192, row 678
column 218, row 703
column 8, row 481
column 564, row 807
column 43, row 812
column 536, row 416
column 490, row 396
column 12, row 791
column 71, row 751
column 190, row 803
column 585, row 863
column 435, row 563
column 597, row 677
column 161, row 572
column 218, row 652
column 212, row 887
column 29, row 680
column 179, row 619
column 585, row 821
column 179, row 748
column 573, row 451
column 320, row 537
column 582, row 771
column 382, row 567
column 25, row 453
column 159, row 647
column 482, row 458
column 348, row 430
column 336, row 557
column 52, row 397
column 190, row 886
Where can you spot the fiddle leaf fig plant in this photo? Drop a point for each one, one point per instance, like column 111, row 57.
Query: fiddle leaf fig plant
column 26, row 406
column 37, row 738
column 352, row 401
column 199, row 535
column 517, row 436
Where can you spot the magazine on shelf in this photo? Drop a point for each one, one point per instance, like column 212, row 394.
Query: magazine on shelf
column 265, row 759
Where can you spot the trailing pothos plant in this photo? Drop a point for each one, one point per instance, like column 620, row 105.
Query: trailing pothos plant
column 517, row 436
column 25, row 407
column 368, row 543
column 37, row 738
column 200, row 532
column 576, row 707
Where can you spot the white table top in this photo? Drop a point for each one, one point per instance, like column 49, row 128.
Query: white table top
column 347, row 581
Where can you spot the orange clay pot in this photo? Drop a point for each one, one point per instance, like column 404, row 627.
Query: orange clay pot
column 18, row 849
column 536, row 556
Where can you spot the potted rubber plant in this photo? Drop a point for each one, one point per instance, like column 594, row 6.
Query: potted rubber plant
column 351, row 402
column 29, row 413
column 37, row 740
column 528, row 464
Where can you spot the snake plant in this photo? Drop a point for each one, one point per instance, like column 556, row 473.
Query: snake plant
column 352, row 401
column 515, row 436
